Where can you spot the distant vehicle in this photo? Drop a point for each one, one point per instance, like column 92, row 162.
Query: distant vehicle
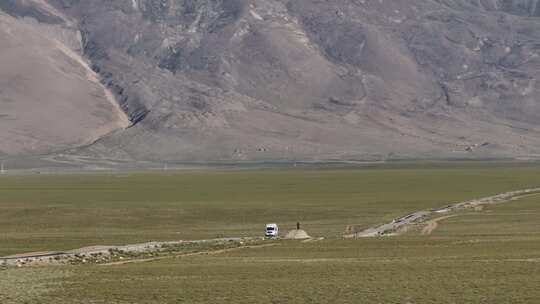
column 272, row 230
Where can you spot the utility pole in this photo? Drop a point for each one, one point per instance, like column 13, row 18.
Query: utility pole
column 2, row 170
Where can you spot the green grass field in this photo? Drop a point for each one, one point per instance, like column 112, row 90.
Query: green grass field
column 488, row 256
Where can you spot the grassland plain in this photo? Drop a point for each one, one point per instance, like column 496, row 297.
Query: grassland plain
column 489, row 256
column 57, row 212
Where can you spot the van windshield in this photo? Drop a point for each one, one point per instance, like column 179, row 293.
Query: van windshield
column 270, row 228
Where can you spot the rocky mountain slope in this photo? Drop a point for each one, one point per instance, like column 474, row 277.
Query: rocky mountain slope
column 49, row 97
column 271, row 79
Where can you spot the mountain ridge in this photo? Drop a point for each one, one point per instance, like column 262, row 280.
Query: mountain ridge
column 243, row 80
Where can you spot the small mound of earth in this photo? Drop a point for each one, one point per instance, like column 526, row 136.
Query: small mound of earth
column 297, row 235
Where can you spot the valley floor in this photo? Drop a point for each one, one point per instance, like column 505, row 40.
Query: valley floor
column 484, row 255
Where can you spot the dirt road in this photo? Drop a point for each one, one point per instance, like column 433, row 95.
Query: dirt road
column 423, row 215
column 59, row 257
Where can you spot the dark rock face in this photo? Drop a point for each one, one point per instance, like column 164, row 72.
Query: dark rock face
column 17, row 8
column 518, row 7
column 314, row 79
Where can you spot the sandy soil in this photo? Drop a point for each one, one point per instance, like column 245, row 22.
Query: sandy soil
column 297, row 234
column 434, row 224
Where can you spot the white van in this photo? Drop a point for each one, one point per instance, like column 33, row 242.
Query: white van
column 272, row 230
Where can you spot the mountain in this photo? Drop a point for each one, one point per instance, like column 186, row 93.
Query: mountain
column 49, row 97
column 270, row 79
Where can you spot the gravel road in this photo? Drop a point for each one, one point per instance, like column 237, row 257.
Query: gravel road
column 61, row 256
column 423, row 215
